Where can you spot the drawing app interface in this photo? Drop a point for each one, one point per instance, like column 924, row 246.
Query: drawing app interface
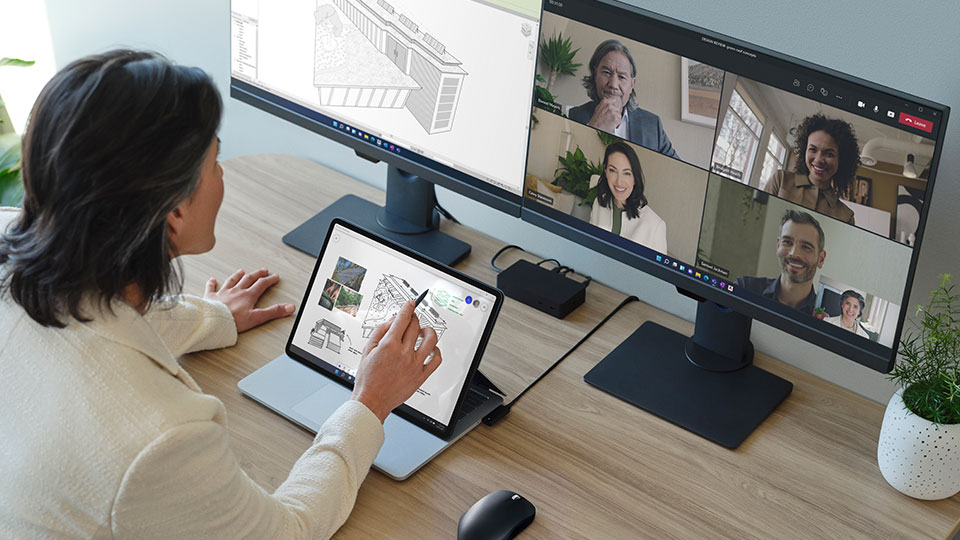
column 446, row 80
column 360, row 285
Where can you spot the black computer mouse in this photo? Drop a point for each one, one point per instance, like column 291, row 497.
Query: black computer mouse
column 498, row 516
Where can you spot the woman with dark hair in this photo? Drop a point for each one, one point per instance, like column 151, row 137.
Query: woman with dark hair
column 620, row 206
column 851, row 308
column 827, row 159
column 103, row 434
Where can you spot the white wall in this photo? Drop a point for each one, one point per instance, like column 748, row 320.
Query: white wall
column 864, row 38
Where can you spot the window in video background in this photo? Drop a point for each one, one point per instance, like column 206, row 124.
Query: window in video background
column 757, row 145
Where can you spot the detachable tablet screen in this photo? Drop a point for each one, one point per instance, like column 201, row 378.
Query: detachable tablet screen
column 360, row 281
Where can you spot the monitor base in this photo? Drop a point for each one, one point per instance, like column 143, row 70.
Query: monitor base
column 309, row 236
column 651, row 370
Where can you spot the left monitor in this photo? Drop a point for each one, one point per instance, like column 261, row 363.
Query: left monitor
column 440, row 91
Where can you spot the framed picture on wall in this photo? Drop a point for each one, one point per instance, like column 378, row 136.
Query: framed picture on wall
column 699, row 92
column 859, row 191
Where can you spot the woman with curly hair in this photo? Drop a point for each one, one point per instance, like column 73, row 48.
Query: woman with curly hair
column 620, row 206
column 827, row 159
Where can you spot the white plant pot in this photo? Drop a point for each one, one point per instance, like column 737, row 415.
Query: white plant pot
column 917, row 457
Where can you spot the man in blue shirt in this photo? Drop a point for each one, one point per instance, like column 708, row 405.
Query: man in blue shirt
column 800, row 249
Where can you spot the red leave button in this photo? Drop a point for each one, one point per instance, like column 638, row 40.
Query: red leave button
column 913, row 121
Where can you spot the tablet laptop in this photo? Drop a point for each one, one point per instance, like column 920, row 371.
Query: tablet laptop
column 359, row 281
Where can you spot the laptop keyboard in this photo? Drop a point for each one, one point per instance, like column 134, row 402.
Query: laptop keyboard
column 473, row 400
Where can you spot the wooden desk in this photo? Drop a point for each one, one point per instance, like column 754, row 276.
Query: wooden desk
column 595, row 467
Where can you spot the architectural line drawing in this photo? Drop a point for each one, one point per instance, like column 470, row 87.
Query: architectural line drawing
column 325, row 331
column 382, row 59
column 391, row 292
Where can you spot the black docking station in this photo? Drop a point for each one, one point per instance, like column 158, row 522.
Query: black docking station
column 547, row 290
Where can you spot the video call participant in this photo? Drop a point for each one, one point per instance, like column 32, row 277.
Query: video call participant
column 851, row 308
column 613, row 101
column 827, row 159
column 800, row 249
column 620, row 206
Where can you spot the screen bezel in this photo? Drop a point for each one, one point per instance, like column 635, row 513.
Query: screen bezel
column 430, row 170
column 404, row 411
column 870, row 354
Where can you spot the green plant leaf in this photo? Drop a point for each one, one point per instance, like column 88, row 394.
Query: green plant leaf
column 590, row 197
column 11, row 187
column 9, row 150
column 574, row 173
column 557, row 55
column 606, row 138
column 11, row 184
column 544, row 95
column 929, row 367
column 15, row 62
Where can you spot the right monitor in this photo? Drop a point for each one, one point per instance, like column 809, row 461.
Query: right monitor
column 789, row 192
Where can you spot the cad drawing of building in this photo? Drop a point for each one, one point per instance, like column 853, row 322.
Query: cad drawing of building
column 327, row 332
column 382, row 58
column 391, row 292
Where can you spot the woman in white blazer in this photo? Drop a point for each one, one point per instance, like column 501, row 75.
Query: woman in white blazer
column 103, row 434
column 620, row 206
column 851, row 308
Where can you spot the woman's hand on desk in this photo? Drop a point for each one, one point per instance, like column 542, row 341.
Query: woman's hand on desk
column 241, row 292
column 391, row 369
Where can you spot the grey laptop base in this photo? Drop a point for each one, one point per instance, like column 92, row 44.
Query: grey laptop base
column 308, row 398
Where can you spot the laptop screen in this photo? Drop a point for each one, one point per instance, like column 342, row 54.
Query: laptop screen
column 359, row 284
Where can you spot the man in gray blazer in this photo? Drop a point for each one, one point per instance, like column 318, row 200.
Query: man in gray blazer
column 612, row 106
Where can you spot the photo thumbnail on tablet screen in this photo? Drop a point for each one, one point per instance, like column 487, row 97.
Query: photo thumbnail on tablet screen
column 360, row 284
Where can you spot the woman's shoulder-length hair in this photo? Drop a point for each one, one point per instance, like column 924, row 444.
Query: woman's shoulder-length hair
column 114, row 143
column 636, row 200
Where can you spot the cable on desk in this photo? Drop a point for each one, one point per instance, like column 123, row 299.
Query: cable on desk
column 497, row 254
column 554, row 261
column 497, row 414
column 445, row 213
column 560, row 268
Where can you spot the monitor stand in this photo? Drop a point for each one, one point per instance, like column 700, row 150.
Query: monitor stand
column 706, row 384
column 409, row 218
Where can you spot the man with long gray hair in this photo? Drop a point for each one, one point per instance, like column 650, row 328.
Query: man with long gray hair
column 613, row 105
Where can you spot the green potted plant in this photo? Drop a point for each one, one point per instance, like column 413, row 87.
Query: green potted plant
column 573, row 175
column 919, row 447
column 574, row 172
column 819, row 312
column 543, row 99
column 557, row 55
column 11, row 185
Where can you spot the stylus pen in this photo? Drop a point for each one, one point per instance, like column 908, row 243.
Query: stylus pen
column 420, row 298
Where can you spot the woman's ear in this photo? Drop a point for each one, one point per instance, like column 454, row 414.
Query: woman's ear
column 175, row 221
